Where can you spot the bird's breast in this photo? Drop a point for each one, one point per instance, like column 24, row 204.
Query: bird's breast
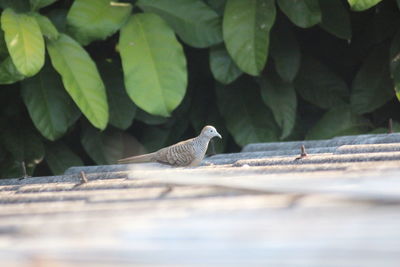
column 200, row 149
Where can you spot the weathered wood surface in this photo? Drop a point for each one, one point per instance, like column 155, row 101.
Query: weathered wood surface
column 340, row 208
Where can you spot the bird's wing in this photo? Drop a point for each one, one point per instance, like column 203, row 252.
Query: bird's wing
column 180, row 154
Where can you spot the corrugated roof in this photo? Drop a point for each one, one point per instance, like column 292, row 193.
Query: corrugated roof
column 337, row 206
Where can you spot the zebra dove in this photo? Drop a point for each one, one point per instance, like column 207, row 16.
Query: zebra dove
column 186, row 153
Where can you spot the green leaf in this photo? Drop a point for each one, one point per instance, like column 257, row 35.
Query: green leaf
column 49, row 106
column 156, row 80
column 361, row 5
column 59, row 158
column 80, row 78
column 103, row 147
column 59, row 18
column 372, row 86
column 149, row 119
column 122, row 109
column 154, row 138
column 3, row 47
column 395, row 63
column 196, row 23
column 281, row 98
column 218, row 5
column 246, row 28
column 91, row 20
column 38, row 4
column 222, row 66
column 46, row 26
column 246, row 117
column 24, row 41
column 335, row 18
column 17, row 5
column 384, row 23
column 9, row 73
column 73, row 116
column 174, row 128
column 319, row 85
column 24, row 145
column 303, row 13
column 340, row 120
column 285, row 51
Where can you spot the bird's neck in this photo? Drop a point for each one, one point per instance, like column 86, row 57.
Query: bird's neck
column 202, row 139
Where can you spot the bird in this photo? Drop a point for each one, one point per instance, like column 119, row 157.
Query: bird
column 186, row 153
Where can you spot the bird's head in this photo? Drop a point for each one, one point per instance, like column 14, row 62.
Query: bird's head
column 210, row 132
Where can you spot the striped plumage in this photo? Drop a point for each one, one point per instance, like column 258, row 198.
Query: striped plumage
column 186, row 153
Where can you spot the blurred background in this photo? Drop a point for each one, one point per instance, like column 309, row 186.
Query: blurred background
column 91, row 81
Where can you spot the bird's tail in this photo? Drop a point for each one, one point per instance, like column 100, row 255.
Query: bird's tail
column 138, row 159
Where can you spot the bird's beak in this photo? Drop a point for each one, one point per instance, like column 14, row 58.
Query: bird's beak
column 219, row 135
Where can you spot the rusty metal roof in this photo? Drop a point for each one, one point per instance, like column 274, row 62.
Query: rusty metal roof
column 265, row 206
